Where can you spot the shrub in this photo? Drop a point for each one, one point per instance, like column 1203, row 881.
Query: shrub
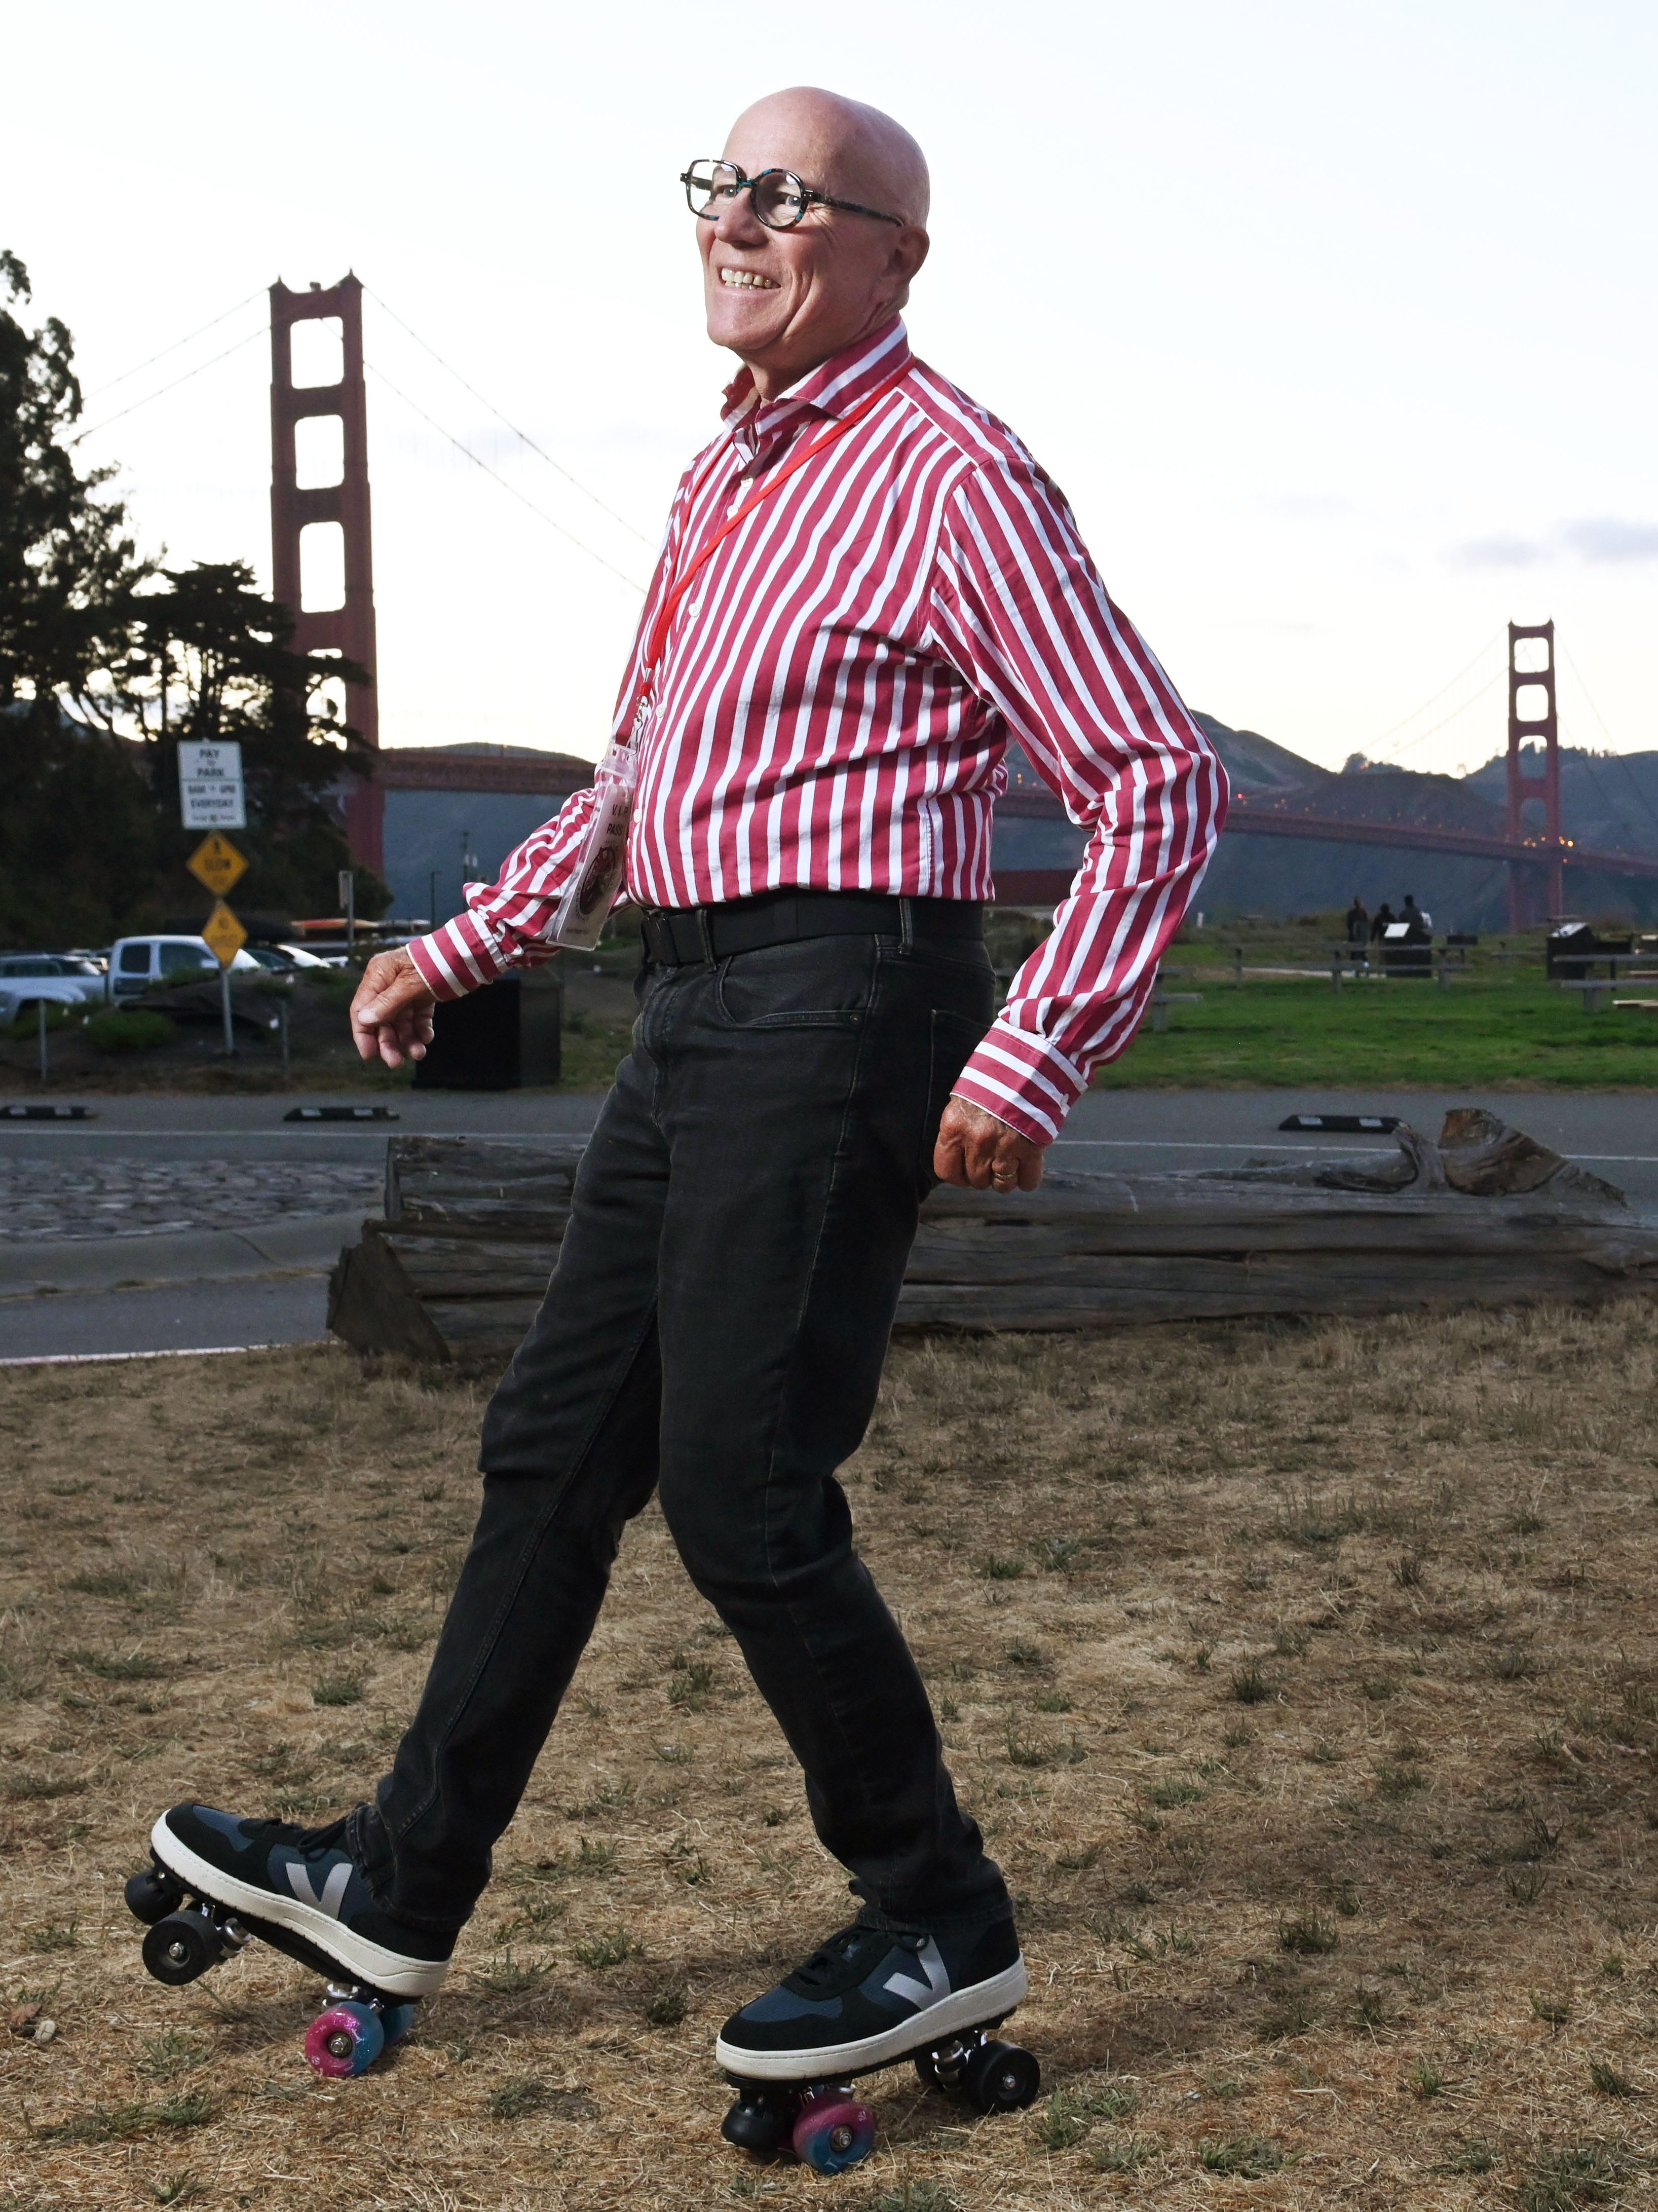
column 117, row 1031
column 1251, row 1688
column 1249, row 2157
column 1308, row 1934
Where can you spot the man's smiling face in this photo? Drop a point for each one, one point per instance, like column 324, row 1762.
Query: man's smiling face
column 785, row 299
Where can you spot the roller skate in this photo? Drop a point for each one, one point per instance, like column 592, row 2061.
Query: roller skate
column 217, row 1883
column 870, row 1999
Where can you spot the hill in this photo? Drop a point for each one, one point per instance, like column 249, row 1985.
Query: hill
column 1609, row 802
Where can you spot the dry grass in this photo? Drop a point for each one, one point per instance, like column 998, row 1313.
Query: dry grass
column 1305, row 1681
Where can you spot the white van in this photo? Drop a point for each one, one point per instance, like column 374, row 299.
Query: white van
column 136, row 962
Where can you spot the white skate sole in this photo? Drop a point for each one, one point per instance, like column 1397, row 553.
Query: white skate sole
column 962, row 2008
column 360, row 1961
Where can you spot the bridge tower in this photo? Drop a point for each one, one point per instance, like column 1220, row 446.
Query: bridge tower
column 1525, row 879
column 348, row 628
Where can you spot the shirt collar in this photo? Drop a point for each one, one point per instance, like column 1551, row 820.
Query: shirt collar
column 834, row 388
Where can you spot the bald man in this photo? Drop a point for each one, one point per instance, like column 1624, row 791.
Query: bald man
column 867, row 589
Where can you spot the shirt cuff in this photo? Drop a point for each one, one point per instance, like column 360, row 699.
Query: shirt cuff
column 1022, row 1080
column 457, row 958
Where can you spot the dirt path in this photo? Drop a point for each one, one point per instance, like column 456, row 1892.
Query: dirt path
column 1304, row 1680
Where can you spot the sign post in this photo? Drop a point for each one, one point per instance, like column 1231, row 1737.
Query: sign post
column 349, row 901
column 217, row 863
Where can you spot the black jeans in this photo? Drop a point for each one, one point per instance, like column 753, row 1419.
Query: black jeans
column 715, row 1328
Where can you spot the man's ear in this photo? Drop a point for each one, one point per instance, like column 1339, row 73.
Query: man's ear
column 910, row 250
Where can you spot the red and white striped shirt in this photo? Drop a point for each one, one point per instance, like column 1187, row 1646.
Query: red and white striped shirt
column 835, row 699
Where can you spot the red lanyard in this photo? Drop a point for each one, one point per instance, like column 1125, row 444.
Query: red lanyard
column 774, row 482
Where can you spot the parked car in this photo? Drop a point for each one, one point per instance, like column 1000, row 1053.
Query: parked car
column 137, row 963
column 59, row 979
column 285, row 959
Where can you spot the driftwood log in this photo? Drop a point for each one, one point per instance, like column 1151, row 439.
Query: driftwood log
column 1486, row 1216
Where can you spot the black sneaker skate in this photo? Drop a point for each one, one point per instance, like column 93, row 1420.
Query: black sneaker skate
column 298, row 1889
column 865, row 2000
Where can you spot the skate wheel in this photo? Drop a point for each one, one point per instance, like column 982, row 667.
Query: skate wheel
column 396, row 2021
column 758, row 2121
column 832, row 2130
column 180, row 1947
column 1000, row 2078
column 346, row 2040
column 152, row 1894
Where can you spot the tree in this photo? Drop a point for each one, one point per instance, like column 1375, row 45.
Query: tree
column 106, row 660
column 68, row 568
column 77, row 823
column 215, row 655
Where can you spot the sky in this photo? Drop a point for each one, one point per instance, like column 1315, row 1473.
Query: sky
column 1335, row 323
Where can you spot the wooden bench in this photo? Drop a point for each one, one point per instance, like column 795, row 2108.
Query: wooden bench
column 1597, row 992
column 1162, row 1001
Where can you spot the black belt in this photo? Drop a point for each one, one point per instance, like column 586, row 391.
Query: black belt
column 676, row 936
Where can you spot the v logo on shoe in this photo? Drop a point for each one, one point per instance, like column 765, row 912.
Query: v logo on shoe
column 936, row 1986
column 333, row 1890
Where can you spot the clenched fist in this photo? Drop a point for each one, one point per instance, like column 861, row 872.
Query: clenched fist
column 982, row 1153
column 391, row 1013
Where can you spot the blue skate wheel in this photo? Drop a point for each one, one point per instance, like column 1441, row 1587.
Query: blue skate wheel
column 396, row 2021
column 832, row 2130
column 346, row 2039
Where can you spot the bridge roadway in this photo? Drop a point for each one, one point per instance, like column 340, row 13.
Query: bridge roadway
column 233, row 1273
column 1247, row 818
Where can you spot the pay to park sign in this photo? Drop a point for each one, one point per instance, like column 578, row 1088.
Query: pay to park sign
column 210, row 786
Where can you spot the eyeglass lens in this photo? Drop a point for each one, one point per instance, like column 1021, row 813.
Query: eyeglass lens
column 779, row 199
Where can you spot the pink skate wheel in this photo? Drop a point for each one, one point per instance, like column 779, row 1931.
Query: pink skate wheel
column 832, row 2130
column 346, row 2040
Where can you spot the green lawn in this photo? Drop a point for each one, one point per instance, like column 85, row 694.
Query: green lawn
column 1489, row 1028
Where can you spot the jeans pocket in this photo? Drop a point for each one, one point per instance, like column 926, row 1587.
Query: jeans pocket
column 956, row 1037
column 813, row 983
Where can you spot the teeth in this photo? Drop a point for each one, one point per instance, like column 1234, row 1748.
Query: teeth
column 750, row 278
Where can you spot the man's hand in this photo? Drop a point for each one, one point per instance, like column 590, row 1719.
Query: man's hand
column 982, row 1153
column 392, row 1013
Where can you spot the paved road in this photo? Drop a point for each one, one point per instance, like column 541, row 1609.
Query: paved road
column 1615, row 1132
column 45, row 1196
column 176, row 1317
column 184, row 1160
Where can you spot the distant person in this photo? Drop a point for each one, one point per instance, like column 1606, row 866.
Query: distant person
column 1358, row 929
column 1419, row 923
column 1383, row 921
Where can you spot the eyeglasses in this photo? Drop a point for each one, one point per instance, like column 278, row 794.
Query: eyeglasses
column 779, row 199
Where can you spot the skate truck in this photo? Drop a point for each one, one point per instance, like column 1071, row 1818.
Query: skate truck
column 828, row 2128
column 186, row 1935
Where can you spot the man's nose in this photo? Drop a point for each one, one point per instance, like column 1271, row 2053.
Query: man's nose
column 737, row 223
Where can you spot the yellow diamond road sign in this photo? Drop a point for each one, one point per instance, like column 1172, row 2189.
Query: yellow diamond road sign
column 217, row 863
column 224, row 933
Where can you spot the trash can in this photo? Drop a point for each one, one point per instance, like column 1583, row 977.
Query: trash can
column 1407, row 952
column 541, row 1024
column 475, row 1041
